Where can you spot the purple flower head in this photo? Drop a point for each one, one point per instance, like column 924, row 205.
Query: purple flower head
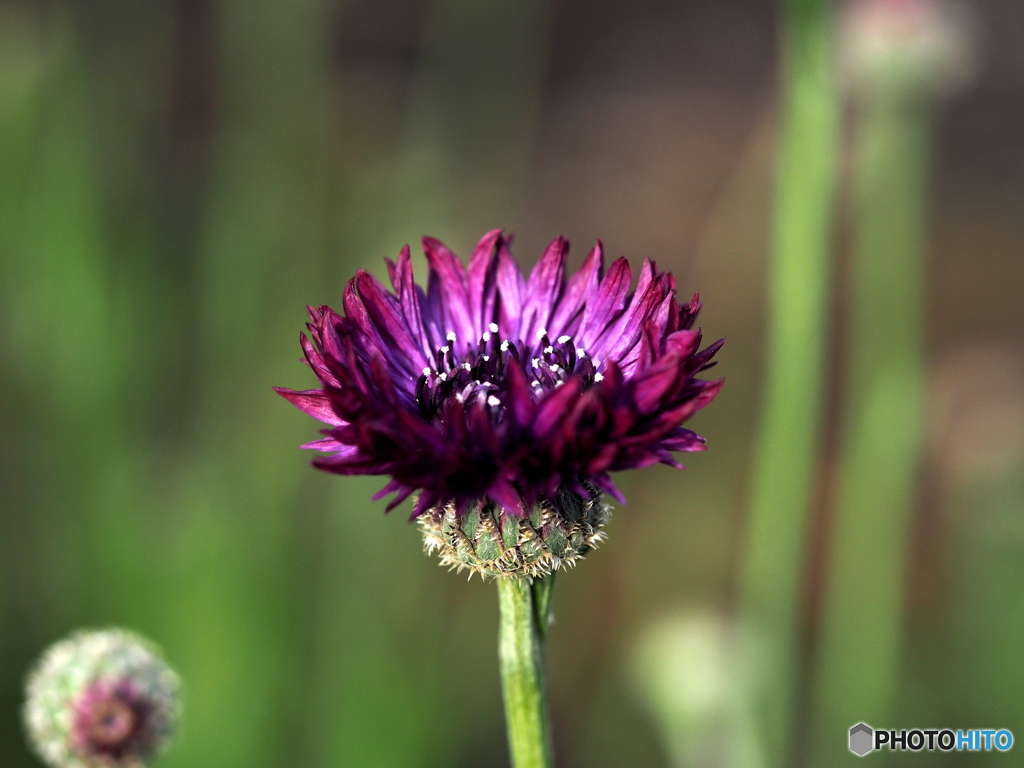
column 491, row 386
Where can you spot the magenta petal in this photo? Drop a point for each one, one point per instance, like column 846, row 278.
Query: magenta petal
column 386, row 314
column 325, row 332
column 647, row 274
column 607, row 304
column 656, row 384
column 543, row 289
column 392, row 486
column 554, row 409
column 313, row 402
column 511, row 287
column 503, row 494
column 665, row 457
column 402, row 493
column 683, row 343
column 356, row 313
column 652, row 334
column 350, row 464
column 316, row 361
column 681, row 439
column 401, row 496
column 369, row 337
column 481, row 282
column 328, row 445
column 452, row 283
column 409, row 300
column 708, row 393
column 689, row 313
column 520, row 404
column 579, row 288
column 701, row 358
column 621, row 337
column 605, row 484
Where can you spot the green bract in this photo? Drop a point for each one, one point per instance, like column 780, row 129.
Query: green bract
column 557, row 533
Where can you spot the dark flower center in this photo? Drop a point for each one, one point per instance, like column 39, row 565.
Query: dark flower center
column 111, row 722
column 479, row 374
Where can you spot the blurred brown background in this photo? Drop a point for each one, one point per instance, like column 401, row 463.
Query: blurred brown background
column 178, row 179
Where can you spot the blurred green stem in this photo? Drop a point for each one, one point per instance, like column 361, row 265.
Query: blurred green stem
column 787, row 446
column 520, row 648
column 882, row 431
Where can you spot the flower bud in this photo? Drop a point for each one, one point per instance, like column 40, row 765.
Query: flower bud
column 101, row 699
column 907, row 46
column 487, row 540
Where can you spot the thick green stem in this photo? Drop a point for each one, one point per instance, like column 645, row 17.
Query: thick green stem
column 788, row 439
column 520, row 649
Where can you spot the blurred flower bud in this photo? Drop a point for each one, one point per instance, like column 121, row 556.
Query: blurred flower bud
column 901, row 45
column 682, row 668
column 557, row 533
column 101, row 699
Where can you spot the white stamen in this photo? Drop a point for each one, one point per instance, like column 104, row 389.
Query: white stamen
column 555, row 368
column 445, row 349
column 504, row 346
column 443, row 377
column 486, row 336
column 564, row 339
column 493, row 327
column 450, row 336
column 581, row 351
column 485, row 358
column 536, row 362
column 427, row 371
column 598, row 377
column 548, row 350
column 492, row 400
column 467, row 366
column 542, row 333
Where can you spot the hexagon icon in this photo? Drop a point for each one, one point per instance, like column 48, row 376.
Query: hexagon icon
column 862, row 739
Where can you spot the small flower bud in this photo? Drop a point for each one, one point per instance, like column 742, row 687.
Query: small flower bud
column 101, row 699
column 906, row 46
column 486, row 540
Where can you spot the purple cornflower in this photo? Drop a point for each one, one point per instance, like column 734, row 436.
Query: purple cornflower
column 493, row 387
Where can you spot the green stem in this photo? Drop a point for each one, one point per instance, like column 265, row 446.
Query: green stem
column 542, row 590
column 786, row 453
column 859, row 652
column 520, row 648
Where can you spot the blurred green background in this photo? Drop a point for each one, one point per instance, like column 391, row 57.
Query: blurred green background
column 179, row 178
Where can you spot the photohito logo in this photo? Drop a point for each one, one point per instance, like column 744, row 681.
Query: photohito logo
column 865, row 739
